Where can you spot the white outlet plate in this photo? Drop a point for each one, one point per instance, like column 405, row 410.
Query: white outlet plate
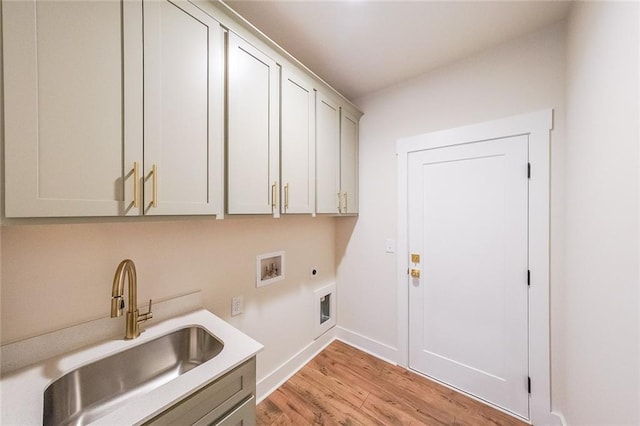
column 236, row 305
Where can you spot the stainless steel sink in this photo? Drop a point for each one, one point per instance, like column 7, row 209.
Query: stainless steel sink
column 92, row 391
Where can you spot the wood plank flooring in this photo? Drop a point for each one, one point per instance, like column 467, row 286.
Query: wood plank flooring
column 345, row 386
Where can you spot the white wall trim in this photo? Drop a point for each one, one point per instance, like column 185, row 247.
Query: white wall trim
column 537, row 126
column 372, row 347
column 280, row 375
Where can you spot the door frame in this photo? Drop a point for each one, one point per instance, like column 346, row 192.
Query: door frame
column 537, row 125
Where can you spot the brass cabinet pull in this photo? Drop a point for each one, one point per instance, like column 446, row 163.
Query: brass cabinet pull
column 273, row 194
column 136, row 184
column 286, row 196
column 154, row 172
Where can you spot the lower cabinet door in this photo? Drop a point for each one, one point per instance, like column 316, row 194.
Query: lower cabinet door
column 242, row 415
column 216, row 401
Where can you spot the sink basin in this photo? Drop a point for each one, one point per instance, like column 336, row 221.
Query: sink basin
column 92, row 391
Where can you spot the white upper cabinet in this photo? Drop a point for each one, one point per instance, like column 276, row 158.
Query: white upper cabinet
column 69, row 111
column 183, row 116
column 348, row 163
column 165, row 107
column 327, row 155
column 336, row 158
column 253, row 130
column 78, row 142
column 297, row 145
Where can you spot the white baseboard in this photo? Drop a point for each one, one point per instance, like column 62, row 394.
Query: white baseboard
column 280, row 375
column 276, row 378
column 372, row 347
column 560, row 417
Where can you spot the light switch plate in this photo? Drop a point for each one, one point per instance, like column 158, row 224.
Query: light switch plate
column 390, row 245
column 236, row 305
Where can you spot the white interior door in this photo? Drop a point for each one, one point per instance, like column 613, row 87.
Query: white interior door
column 467, row 216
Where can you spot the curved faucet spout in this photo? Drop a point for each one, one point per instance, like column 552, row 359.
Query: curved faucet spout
column 127, row 268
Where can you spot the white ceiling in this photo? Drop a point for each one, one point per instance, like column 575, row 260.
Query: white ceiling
column 360, row 46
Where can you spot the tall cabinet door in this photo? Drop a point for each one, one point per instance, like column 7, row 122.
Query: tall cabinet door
column 183, row 117
column 349, row 163
column 72, row 88
column 297, row 144
column 327, row 155
column 253, row 130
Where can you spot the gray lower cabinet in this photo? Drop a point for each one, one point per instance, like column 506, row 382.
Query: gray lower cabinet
column 229, row 400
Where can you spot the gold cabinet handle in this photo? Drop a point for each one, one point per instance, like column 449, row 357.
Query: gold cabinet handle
column 346, row 208
column 273, row 194
column 154, row 172
column 136, row 183
column 286, row 196
column 339, row 202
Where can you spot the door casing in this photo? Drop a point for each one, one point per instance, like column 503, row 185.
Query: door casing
column 537, row 126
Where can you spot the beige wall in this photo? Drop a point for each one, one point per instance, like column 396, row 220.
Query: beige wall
column 56, row 275
column 522, row 76
column 600, row 314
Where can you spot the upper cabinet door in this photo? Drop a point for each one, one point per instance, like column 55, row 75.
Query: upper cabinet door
column 253, row 130
column 183, row 117
column 327, row 155
column 297, row 146
column 349, row 163
column 68, row 114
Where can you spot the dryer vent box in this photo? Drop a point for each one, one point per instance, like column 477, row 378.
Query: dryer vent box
column 325, row 309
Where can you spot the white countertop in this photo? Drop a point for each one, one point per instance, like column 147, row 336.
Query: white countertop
column 22, row 391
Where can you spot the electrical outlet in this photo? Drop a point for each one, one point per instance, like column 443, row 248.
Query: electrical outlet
column 314, row 272
column 236, row 305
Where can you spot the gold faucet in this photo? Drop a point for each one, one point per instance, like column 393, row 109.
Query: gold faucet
column 132, row 329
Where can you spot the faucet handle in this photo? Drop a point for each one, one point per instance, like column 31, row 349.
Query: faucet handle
column 149, row 310
column 141, row 318
column 147, row 315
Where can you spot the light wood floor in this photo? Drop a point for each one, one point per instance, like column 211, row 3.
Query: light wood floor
column 345, row 386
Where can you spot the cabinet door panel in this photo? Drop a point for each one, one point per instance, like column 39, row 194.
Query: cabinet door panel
column 349, row 163
column 183, row 116
column 327, row 155
column 252, row 145
column 297, row 144
column 67, row 115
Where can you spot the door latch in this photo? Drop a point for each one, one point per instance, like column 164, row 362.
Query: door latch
column 415, row 273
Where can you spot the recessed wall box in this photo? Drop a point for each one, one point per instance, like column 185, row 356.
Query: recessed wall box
column 269, row 268
column 325, row 309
